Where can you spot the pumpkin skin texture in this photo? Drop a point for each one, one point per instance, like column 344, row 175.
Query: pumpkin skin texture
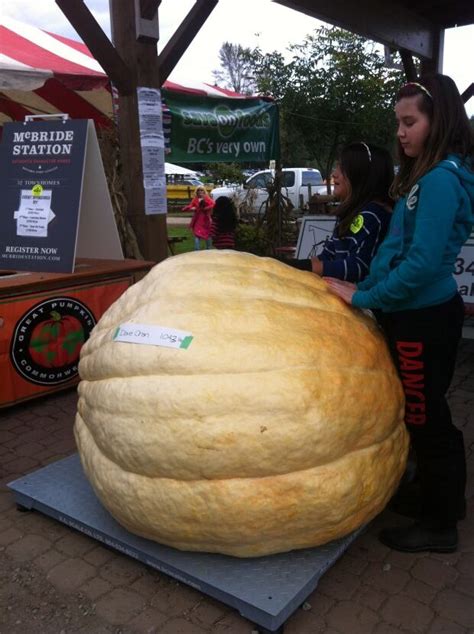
column 280, row 427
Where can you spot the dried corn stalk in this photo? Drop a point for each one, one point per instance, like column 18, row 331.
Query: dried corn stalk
column 110, row 151
column 275, row 221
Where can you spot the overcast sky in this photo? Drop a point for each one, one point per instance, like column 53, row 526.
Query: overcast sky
column 247, row 22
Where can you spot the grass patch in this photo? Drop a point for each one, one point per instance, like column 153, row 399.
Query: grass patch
column 181, row 232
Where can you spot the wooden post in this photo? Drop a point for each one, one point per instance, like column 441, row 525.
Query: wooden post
column 408, row 65
column 279, row 211
column 140, row 56
column 134, row 63
column 435, row 63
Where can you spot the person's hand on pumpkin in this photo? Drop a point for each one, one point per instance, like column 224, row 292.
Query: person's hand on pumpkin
column 316, row 266
column 344, row 290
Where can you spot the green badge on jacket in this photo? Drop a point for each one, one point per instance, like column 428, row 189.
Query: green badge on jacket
column 357, row 224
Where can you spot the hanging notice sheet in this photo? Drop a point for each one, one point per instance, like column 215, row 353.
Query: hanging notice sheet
column 152, row 144
column 41, row 173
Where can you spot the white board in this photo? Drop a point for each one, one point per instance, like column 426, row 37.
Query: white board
column 98, row 235
column 315, row 230
column 313, row 233
column 464, row 271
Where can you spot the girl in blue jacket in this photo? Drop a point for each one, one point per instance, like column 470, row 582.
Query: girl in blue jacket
column 412, row 291
column 362, row 180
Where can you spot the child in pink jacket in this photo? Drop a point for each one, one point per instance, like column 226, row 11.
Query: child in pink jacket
column 200, row 225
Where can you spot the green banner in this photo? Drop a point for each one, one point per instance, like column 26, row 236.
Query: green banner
column 215, row 129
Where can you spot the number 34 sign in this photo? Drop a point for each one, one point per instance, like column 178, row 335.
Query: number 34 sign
column 464, row 271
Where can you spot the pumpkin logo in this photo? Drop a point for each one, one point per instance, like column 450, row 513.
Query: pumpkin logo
column 48, row 338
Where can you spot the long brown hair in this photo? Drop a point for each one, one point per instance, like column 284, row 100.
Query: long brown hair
column 369, row 170
column 224, row 214
column 450, row 131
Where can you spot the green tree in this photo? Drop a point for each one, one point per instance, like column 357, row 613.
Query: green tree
column 230, row 172
column 334, row 90
column 236, row 72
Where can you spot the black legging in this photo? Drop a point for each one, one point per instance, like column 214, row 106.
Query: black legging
column 424, row 344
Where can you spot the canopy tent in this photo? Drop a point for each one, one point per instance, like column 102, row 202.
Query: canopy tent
column 177, row 170
column 41, row 72
column 45, row 73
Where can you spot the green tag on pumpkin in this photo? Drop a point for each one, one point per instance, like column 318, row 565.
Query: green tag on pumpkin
column 152, row 336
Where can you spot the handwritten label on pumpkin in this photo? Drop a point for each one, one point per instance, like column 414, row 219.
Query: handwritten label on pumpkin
column 152, row 336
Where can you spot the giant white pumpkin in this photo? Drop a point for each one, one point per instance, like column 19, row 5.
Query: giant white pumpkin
column 279, row 427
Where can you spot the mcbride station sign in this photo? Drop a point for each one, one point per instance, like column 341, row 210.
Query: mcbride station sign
column 45, row 143
column 42, row 166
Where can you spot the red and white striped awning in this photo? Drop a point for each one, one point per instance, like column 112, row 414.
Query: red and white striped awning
column 41, row 72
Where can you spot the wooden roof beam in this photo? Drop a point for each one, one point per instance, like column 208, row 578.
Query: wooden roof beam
column 148, row 8
column 184, row 35
column 98, row 43
column 146, row 20
column 468, row 93
column 408, row 65
column 386, row 22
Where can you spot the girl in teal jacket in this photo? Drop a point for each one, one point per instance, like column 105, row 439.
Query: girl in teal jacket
column 412, row 291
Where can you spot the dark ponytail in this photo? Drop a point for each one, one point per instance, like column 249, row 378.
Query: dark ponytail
column 369, row 170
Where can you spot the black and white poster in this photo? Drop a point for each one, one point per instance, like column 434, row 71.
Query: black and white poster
column 314, row 232
column 152, row 142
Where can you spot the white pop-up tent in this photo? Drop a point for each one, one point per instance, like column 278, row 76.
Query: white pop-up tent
column 177, row 170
